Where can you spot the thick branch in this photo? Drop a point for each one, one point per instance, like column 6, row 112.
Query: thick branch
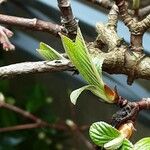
column 118, row 61
column 34, row 67
column 33, row 24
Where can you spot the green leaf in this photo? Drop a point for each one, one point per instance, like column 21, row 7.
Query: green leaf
column 126, row 145
column 80, row 57
column 143, row 144
column 48, row 52
column 76, row 93
column 102, row 133
column 115, row 143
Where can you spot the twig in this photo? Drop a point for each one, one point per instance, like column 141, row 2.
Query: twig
column 117, row 61
column 33, row 24
column 21, row 112
column 107, row 4
column 21, row 127
column 78, row 134
column 103, row 3
column 38, row 122
column 34, row 67
column 67, row 18
column 113, row 18
column 137, row 28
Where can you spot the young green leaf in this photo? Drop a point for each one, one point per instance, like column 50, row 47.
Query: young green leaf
column 126, row 145
column 102, row 133
column 143, row 144
column 80, row 57
column 48, row 52
column 115, row 143
column 76, row 93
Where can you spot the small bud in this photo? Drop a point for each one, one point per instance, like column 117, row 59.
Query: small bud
column 48, row 141
column 126, row 129
column 49, row 100
column 41, row 135
column 70, row 123
column 59, row 146
column 2, row 98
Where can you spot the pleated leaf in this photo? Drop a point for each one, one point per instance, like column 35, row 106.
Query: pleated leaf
column 48, row 52
column 80, row 57
column 126, row 145
column 143, row 144
column 102, row 133
column 115, row 143
column 76, row 93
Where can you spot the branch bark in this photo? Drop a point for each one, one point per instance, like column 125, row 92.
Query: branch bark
column 34, row 67
column 33, row 24
column 118, row 61
column 67, row 18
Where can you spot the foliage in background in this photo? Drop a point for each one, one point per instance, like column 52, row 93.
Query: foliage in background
column 36, row 102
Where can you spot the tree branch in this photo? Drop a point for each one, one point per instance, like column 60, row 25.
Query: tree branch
column 67, row 18
column 34, row 67
column 107, row 4
column 33, row 24
column 21, row 127
column 118, row 61
column 103, row 3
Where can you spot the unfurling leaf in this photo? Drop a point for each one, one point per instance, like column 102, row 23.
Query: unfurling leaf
column 115, row 143
column 143, row 144
column 104, row 135
column 76, row 93
column 90, row 69
column 48, row 52
column 126, row 145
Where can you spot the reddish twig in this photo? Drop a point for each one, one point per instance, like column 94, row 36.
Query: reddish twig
column 33, row 24
column 5, row 34
column 20, row 127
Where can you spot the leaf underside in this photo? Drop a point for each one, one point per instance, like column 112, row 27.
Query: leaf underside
column 48, row 52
